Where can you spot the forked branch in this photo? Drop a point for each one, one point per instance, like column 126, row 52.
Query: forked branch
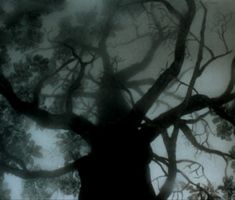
column 189, row 135
column 143, row 105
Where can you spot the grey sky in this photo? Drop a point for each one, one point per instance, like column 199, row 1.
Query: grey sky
column 212, row 83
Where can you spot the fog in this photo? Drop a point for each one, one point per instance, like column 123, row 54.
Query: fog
column 212, row 83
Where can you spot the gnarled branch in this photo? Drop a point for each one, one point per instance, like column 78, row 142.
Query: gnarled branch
column 73, row 122
column 142, row 106
column 189, row 135
column 26, row 174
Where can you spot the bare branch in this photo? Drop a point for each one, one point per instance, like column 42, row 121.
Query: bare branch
column 41, row 83
column 188, row 134
column 196, row 185
column 26, row 174
column 199, row 56
column 74, row 86
column 198, row 167
column 170, row 144
column 224, row 20
column 195, row 103
column 207, row 63
column 192, row 121
column 143, row 105
column 205, row 46
column 136, row 68
column 185, row 84
column 44, row 118
column 163, row 160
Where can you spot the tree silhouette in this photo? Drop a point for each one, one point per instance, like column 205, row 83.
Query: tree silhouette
column 101, row 97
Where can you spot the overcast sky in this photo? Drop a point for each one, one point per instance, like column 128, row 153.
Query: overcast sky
column 212, row 83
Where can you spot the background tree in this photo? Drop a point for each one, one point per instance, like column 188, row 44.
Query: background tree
column 94, row 85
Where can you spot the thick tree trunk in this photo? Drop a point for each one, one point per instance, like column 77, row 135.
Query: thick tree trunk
column 117, row 169
column 109, row 181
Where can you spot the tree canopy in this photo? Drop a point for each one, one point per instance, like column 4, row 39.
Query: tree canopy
column 127, row 86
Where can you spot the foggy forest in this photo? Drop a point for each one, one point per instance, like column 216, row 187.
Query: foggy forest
column 117, row 99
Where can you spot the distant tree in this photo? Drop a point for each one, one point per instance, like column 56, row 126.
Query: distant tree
column 94, row 84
